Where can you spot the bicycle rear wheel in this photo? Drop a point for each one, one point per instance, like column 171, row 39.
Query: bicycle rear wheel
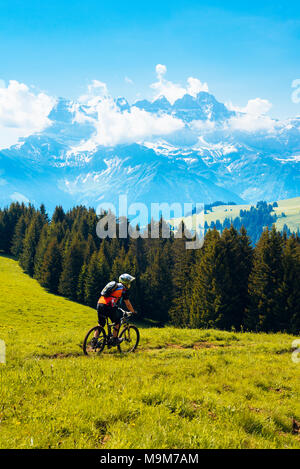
column 94, row 349
column 131, row 340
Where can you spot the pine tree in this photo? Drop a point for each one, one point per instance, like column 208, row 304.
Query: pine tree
column 205, row 296
column 18, row 238
column 231, row 273
column 112, row 249
column 97, row 276
column 136, row 265
column 120, row 265
column 51, row 267
column 89, row 249
column 266, row 302
column 58, row 215
column 30, row 243
column 40, row 251
column 44, row 214
column 8, row 221
column 72, row 264
column 289, row 289
column 157, row 280
column 181, row 280
column 2, row 232
column 245, row 264
column 81, row 284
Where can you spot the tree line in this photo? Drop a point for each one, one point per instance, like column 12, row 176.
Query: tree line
column 227, row 284
column 254, row 220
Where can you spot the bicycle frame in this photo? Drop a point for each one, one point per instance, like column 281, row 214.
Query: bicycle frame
column 123, row 321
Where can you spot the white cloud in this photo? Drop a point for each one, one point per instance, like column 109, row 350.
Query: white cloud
column 250, row 123
column 195, row 86
column 114, row 126
column 22, row 112
column 18, row 197
column 173, row 91
column 129, row 81
column 161, row 70
column 97, row 88
column 202, row 125
column 96, row 91
column 253, row 117
column 296, row 92
column 255, row 107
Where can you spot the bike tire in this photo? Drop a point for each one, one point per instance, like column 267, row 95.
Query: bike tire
column 87, row 348
column 135, row 342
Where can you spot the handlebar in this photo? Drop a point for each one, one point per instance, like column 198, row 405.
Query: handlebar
column 126, row 314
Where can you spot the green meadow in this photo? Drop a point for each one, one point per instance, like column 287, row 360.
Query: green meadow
column 290, row 207
column 181, row 389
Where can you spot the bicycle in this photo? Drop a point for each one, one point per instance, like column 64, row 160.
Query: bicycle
column 128, row 332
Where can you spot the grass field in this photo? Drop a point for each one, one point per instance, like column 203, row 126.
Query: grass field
column 291, row 208
column 181, row 389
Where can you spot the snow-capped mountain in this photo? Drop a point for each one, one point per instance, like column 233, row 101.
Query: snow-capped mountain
column 194, row 150
column 188, row 108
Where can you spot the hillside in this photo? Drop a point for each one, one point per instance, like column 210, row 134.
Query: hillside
column 291, row 208
column 181, row 389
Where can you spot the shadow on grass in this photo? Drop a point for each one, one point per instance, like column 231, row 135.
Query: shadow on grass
column 8, row 256
column 59, row 355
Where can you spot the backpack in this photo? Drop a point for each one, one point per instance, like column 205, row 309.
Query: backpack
column 109, row 288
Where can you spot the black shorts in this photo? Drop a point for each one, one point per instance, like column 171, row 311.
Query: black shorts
column 105, row 311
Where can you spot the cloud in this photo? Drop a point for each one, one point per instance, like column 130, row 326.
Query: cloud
column 96, row 91
column 296, row 92
column 173, row 91
column 253, row 117
column 202, row 125
column 195, row 86
column 161, row 70
column 22, row 112
column 113, row 126
column 18, row 197
column 97, row 86
column 129, row 81
column 255, row 107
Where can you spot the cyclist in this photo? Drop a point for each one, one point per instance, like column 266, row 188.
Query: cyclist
column 107, row 307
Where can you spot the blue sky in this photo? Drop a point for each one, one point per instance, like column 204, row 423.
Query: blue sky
column 243, row 50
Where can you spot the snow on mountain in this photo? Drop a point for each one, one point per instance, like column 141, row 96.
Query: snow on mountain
column 188, row 151
column 188, row 108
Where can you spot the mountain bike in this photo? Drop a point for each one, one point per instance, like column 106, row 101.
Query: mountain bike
column 128, row 332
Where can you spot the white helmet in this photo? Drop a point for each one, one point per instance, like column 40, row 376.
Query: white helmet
column 126, row 280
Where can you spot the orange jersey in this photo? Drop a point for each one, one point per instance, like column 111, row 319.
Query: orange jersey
column 115, row 296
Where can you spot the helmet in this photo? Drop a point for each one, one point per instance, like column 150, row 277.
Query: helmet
column 126, row 280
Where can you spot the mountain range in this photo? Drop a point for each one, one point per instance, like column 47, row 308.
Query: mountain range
column 194, row 150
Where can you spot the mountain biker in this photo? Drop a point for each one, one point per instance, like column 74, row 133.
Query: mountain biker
column 107, row 307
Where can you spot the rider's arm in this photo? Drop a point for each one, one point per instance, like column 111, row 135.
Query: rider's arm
column 129, row 306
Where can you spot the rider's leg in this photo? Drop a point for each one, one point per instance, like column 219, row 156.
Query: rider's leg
column 116, row 330
column 115, row 317
column 101, row 310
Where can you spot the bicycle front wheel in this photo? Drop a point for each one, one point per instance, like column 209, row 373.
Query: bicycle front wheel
column 131, row 337
column 92, row 346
